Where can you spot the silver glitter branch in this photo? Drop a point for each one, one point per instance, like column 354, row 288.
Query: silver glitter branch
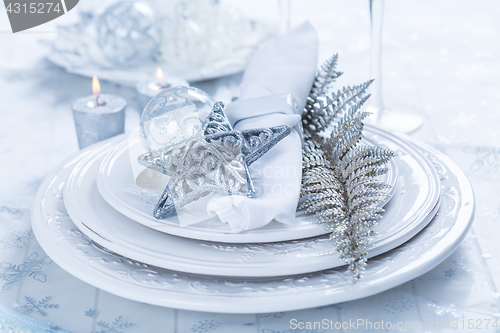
column 338, row 174
column 323, row 107
column 326, row 76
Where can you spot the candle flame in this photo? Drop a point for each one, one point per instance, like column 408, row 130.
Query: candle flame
column 96, row 87
column 159, row 74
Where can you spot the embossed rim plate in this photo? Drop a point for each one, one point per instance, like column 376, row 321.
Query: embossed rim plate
column 107, row 227
column 75, row 253
column 115, row 175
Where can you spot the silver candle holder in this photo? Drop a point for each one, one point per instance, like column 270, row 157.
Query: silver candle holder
column 98, row 116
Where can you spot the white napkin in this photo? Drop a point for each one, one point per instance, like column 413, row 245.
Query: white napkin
column 286, row 65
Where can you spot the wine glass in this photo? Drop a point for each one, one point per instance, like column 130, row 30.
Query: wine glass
column 401, row 119
column 285, row 8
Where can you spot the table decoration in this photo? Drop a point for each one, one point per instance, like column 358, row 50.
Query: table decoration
column 201, row 31
column 216, row 160
column 338, row 175
column 98, row 116
column 405, row 215
column 74, row 252
column 128, row 33
column 198, row 151
column 147, row 89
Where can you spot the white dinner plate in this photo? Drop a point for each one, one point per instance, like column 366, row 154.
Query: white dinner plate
column 230, row 64
column 116, row 183
column 77, row 254
column 403, row 218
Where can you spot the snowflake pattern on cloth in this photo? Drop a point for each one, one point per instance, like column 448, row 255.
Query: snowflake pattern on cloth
column 205, row 326
column 39, row 307
column 7, row 213
column 17, row 239
column 117, row 326
column 32, row 267
column 398, row 305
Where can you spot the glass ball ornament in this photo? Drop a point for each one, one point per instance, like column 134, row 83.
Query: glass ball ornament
column 129, row 33
column 174, row 115
column 189, row 34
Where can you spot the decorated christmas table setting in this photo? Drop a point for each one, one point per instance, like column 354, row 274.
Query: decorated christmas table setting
column 267, row 201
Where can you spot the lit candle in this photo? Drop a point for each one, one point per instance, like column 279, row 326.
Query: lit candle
column 98, row 116
column 147, row 89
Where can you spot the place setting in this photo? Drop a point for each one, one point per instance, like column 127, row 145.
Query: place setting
column 282, row 199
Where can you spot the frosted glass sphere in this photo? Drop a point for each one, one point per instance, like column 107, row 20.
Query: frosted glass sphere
column 129, row 33
column 174, row 115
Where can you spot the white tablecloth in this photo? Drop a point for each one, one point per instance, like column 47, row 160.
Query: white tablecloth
column 440, row 58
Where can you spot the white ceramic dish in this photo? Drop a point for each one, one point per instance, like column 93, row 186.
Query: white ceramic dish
column 117, row 185
column 77, row 52
column 107, row 227
column 229, row 65
column 77, row 254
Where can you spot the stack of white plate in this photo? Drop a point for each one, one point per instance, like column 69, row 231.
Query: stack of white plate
column 95, row 222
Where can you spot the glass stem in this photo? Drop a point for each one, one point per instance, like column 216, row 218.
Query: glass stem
column 285, row 9
column 376, row 22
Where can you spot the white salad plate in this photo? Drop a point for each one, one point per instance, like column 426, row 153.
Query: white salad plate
column 404, row 217
column 77, row 254
column 117, row 185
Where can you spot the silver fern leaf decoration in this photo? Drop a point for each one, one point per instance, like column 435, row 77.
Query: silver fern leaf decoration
column 323, row 106
column 339, row 174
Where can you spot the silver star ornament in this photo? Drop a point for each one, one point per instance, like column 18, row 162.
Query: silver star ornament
column 216, row 160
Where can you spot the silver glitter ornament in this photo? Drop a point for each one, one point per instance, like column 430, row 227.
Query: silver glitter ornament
column 129, row 34
column 216, row 161
column 338, row 174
